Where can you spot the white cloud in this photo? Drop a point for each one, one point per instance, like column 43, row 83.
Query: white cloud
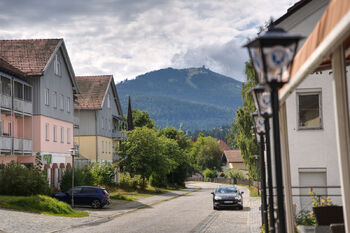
column 129, row 37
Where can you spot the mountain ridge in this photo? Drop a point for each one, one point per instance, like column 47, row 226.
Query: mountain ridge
column 197, row 98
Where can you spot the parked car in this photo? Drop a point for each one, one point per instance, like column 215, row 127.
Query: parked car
column 227, row 196
column 95, row 197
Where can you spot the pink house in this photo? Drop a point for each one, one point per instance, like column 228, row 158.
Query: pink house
column 37, row 88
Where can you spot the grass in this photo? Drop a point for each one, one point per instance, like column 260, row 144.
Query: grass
column 40, row 204
column 134, row 195
column 253, row 192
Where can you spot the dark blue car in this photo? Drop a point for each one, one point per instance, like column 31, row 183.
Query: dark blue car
column 86, row 195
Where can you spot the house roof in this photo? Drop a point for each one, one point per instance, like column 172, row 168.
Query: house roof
column 233, row 156
column 291, row 10
column 29, row 56
column 93, row 90
column 223, row 145
column 8, row 68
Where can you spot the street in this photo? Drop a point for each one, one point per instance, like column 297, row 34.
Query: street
column 190, row 213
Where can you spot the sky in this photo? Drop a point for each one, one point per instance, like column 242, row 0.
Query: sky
column 127, row 38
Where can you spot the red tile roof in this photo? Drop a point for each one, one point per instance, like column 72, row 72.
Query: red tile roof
column 233, row 156
column 223, row 145
column 92, row 91
column 28, row 56
column 4, row 65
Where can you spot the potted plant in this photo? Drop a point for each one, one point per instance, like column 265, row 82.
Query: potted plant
column 325, row 212
column 305, row 221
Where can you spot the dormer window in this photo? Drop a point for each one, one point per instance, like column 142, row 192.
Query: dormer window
column 57, row 66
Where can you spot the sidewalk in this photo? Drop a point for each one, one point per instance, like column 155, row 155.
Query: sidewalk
column 16, row 221
column 254, row 218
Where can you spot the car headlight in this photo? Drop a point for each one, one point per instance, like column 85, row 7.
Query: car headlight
column 218, row 198
column 238, row 198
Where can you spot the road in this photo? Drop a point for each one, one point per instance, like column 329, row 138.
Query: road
column 190, row 213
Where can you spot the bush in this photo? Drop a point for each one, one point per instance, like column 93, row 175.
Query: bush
column 235, row 173
column 305, row 218
column 81, row 177
column 157, row 180
column 103, row 173
column 130, row 183
column 207, row 173
column 16, row 179
column 222, row 174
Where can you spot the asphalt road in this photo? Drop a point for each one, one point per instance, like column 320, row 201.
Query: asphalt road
column 190, row 213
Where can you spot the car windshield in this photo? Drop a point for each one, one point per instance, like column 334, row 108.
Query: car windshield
column 226, row 190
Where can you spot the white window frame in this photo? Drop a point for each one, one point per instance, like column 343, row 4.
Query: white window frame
column 62, row 135
column 102, row 147
column 47, row 132
column 102, row 126
column 54, row 133
column 305, row 92
column 108, row 101
column 47, row 96
column 61, row 102
column 54, row 99
column 57, row 66
column 68, row 135
column 68, row 104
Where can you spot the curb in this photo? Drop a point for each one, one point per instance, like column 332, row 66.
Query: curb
column 111, row 217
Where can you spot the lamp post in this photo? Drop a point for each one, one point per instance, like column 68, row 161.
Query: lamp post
column 74, row 151
column 272, row 54
column 262, row 101
column 259, row 128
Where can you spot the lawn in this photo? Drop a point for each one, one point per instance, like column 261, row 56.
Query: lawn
column 40, row 204
column 133, row 195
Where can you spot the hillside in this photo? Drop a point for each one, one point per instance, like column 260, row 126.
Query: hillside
column 197, row 98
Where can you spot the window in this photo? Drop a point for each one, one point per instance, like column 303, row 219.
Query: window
column 102, row 147
column 108, row 102
column 9, row 129
column 47, row 96
column 309, row 109
column 1, row 127
column 102, row 123
column 57, row 66
column 54, row 133
column 62, row 134
column 68, row 104
column 54, row 99
column 61, row 102
column 47, row 131
column 68, row 136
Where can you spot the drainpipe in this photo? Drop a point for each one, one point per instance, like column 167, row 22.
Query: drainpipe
column 96, row 135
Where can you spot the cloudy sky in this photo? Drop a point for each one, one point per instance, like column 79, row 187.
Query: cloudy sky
column 127, row 38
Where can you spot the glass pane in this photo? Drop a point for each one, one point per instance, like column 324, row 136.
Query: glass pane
column 309, row 111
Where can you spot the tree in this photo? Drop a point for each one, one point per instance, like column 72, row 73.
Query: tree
column 242, row 132
column 209, row 154
column 129, row 119
column 142, row 118
column 142, row 154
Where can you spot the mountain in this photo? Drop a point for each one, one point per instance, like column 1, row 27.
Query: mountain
column 197, row 98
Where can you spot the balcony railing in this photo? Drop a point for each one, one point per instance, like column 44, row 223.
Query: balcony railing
column 21, row 105
column 22, row 144
column 5, row 143
column 5, row 101
column 118, row 135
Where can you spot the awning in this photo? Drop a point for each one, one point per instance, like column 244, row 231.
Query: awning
column 332, row 30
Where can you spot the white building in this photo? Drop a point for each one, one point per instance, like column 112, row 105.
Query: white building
column 311, row 118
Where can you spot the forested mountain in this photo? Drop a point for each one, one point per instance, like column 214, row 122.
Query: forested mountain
column 196, row 98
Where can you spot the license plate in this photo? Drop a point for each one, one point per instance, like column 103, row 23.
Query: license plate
column 228, row 202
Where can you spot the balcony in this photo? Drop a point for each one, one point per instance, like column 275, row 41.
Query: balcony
column 20, row 105
column 5, row 101
column 22, row 144
column 118, row 135
column 5, row 143
column 76, row 122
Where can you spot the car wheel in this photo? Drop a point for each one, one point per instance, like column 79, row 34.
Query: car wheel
column 214, row 207
column 240, row 207
column 96, row 204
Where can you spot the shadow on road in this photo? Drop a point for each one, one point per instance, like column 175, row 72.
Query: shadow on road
column 116, row 205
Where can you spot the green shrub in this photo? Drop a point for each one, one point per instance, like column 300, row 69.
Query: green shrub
column 305, row 218
column 207, row 173
column 102, row 173
column 157, row 180
column 235, row 173
column 222, row 174
column 81, row 177
column 129, row 183
column 16, row 179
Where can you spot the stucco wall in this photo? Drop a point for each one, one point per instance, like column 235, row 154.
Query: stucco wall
column 88, row 147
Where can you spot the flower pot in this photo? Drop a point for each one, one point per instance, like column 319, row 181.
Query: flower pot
column 326, row 215
column 306, row 229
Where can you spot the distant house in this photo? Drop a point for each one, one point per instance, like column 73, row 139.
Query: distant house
column 100, row 117
column 233, row 159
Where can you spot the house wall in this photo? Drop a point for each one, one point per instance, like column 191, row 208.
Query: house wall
column 86, row 122
column 40, row 144
column 238, row 165
column 312, row 150
column 88, row 147
column 61, row 84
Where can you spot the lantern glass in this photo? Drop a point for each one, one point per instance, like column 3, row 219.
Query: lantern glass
column 259, row 123
column 264, row 99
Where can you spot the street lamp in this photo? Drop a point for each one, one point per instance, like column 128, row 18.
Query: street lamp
column 259, row 126
column 74, row 151
column 272, row 54
column 262, row 101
